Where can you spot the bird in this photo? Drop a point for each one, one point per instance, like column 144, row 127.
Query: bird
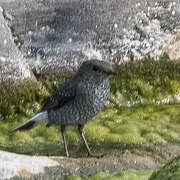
column 77, row 101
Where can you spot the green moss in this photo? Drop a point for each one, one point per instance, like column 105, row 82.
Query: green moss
column 96, row 133
column 133, row 139
column 143, row 88
column 4, row 126
column 51, row 134
column 146, row 81
column 72, row 135
column 27, row 96
column 113, row 138
column 2, row 139
column 39, row 139
column 100, row 175
column 169, row 171
column 136, row 125
column 73, row 178
column 21, row 96
column 130, row 174
column 125, row 128
column 20, row 137
column 154, row 138
column 170, row 135
column 135, row 174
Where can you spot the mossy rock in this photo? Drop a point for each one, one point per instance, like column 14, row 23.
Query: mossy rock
column 169, row 171
column 130, row 174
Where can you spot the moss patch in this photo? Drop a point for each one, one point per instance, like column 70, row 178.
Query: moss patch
column 122, row 128
column 116, row 175
column 146, row 81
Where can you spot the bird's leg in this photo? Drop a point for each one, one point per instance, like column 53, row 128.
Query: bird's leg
column 64, row 139
column 81, row 131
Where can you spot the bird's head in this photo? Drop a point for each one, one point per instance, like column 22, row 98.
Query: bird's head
column 96, row 68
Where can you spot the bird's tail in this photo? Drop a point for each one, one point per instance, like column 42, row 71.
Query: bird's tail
column 40, row 117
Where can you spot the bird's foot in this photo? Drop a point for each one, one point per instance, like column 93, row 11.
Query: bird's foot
column 95, row 156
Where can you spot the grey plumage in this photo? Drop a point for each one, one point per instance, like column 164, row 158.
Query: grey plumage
column 76, row 101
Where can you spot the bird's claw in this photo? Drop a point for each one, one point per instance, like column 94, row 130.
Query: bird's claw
column 95, row 156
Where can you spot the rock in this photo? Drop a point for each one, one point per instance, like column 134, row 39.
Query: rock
column 86, row 166
column 58, row 35
column 171, row 170
column 13, row 69
column 12, row 164
column 7, row 45
column 12, row 65
column 172, row 46
column 39, row 167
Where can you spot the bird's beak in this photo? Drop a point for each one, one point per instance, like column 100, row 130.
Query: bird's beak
column 112, row 73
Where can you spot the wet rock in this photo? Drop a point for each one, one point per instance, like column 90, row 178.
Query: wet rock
column 12, row 65
column 172, row 46
column 12, row 164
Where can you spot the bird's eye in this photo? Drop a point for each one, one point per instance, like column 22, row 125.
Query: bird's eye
column 95, row 68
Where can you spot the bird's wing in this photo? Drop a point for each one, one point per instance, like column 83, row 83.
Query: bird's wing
column 61, row 96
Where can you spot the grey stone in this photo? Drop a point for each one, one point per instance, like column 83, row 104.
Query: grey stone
column 7, row 45
column 12, row 65
column 12, row 164
column 58, row 34
column 172, row 46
